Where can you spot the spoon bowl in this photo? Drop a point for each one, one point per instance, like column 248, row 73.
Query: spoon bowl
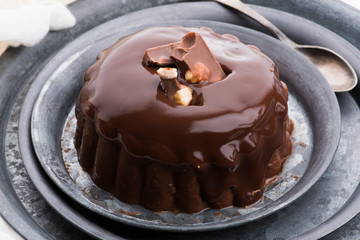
column 337, row 71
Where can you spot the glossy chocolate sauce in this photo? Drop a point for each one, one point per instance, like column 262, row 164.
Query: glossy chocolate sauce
column 145, row 149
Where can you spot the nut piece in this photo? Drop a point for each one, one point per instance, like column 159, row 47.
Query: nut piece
column 167, row 73
column 175, row 91
column 169, row 81
column 199, row 73
column 183, row 96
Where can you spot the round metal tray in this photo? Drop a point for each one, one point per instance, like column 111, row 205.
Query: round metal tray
column 315, row 138
column 25, row 212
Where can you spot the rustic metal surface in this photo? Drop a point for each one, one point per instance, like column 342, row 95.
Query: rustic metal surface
column 313, row 114
column 17, row 68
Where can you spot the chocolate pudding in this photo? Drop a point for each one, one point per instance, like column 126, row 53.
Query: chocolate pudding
column 183, row 119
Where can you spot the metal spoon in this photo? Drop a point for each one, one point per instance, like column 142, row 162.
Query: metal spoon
column 337, row 71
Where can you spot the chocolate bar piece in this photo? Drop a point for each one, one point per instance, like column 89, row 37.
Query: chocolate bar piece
column 158, row 56
column 191, row 56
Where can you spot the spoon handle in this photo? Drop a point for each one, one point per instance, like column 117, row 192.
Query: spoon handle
column 241, row 7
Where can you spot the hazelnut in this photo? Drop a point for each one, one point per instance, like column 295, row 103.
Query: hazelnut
column 199, row 73
column 167, row 73
column 183, row 96
column 179, row 93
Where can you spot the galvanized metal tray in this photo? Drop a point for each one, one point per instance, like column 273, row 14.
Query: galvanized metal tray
column 315, row 138
column 27, row 212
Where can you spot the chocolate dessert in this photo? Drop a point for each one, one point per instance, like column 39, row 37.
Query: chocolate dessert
column 183, row 119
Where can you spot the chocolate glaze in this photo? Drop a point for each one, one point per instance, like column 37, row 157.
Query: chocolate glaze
column 164, row 156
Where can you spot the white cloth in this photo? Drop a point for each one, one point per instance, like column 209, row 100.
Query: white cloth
column 26, row 22
column 7, row 233
column 354, row 3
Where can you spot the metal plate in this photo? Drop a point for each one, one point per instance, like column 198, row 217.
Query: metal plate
column 316, row 117
column 329, row 204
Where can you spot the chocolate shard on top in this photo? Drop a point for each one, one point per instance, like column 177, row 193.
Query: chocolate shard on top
column 193, row 57
column 158, row 56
